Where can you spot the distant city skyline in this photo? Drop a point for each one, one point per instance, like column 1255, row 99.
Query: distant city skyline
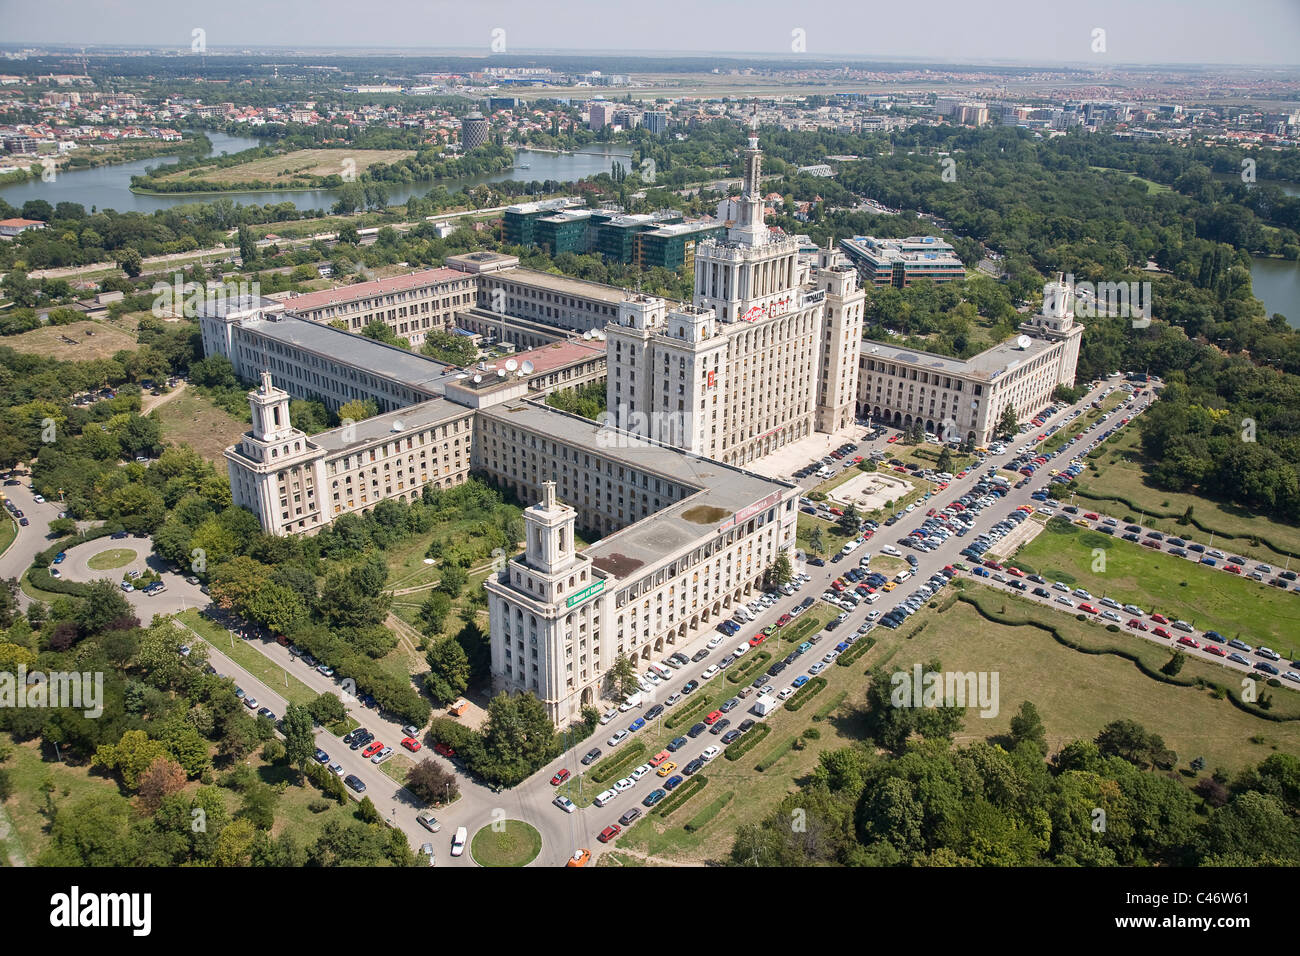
column 1034, row 32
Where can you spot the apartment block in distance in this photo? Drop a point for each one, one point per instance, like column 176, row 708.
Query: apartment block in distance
column 900, row 262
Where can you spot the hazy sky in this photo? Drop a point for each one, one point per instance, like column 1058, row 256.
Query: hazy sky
column 1039, row 31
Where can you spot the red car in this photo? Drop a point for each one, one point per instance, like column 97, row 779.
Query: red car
column 444, row 749
column 1161, row 632
column 1159, row 618
column 1232, row 569
column 560, row 777
column 713, row 717
column 411, row 744
column 1135, row 623
column 990, row 563
column 892, row 439
column 1215, row 650
column 372, row 749
column 609, row 833
column 757, row 639
column 1088, row 608
column 783, row 620
column 1091, row 515
column 1188, row 642
column 930, row 513
column 1015, row 572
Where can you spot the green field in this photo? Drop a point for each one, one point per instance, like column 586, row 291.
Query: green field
column 192, row 419
column 1121, row 473
column 110, row 559
column 1076, row 693
column 283, row 169
column 1175, row 587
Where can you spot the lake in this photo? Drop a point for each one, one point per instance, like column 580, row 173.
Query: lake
column 108, row 187
column 1277, row 285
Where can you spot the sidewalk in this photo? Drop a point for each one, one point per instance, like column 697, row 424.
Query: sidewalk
column 785, row 461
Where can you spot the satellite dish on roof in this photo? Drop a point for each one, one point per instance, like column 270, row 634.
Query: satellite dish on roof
column 511, row 365
column 519, row 374
column 1023, row 341
column 586, row 336
column 527, row 367
column 477, row 379
column 501, row 373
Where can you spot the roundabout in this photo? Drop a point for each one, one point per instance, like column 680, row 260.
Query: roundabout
column 111, row 559
column 506, row 843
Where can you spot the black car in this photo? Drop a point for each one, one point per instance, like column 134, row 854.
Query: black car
column 720, row 727
column 776, row 668
column 1042, row 592
column 654, row 712
column 677, row 744
column 690, row 687
column 731, row 736
column 745, row 725
column 355, row 782
column 591, row 756
column 694, row 766
column 699, row 655
column 352, row 735
column 697, row 730
column 359, row 742
column 628, row 817
column 761, row 680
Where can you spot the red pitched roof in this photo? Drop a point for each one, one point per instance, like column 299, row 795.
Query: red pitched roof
column 368, row 290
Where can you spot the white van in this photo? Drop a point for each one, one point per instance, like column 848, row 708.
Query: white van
column 902, row 576
column 663, row 672
column 605, row 797
column 458, row 841
column 944, row 476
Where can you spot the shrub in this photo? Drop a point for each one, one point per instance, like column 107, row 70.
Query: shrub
column 613, row 765
column 805, row 693
column 683, row 793
column 746, row 743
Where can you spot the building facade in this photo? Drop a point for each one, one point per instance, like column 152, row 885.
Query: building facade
column 960, row 399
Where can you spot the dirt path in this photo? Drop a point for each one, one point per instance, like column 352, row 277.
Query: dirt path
column 150, row 402
column 9, row 841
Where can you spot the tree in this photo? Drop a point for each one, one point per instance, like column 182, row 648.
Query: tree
column 104, row 604
column 1027, row 726
column 431, row 783
column 327, row 709
column 779, row 572
column 945, row 460
column 247, row 248
column 299, row 734
column 623, row 675
column 817, row 541
column 452, row 580
column 131, row 756
column 448, row 674
column 434, row 612
column 163, row 778
column 1008, row 424
column 131, row 261
column 449, row 348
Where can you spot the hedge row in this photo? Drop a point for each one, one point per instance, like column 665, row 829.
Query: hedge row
column 701, row 819
column 614, row 764
column 738, row 672
column 802, row 627
column 775, row 754
column 1232, row 693
column 857, row 650
column 683, row 793
column 39, row 573
column 747, row 742
column 1178, row 517
column 805, row 693
column 825, row 710
column 699, row 706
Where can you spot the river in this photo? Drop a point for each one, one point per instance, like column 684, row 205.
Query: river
column 109, row 187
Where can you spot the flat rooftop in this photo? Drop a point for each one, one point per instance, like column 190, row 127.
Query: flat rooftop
column 391, row 425
column 986, row 366
column 369, row 290
column 356, row 351
column 723, row 490
column 578, row 288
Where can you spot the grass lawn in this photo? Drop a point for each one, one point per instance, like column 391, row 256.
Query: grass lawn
column 110, row 559
column 283, row 169
column 1077, row 694
column 250, row 658
column 1175, row 587
column 49, row 341
column 8, row 531
column 1121, row 472
column 508, row 843
column 191, row 419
